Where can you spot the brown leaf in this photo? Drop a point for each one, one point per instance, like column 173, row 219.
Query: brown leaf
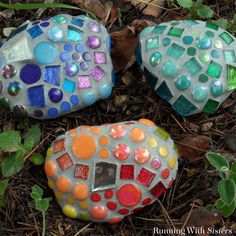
column 194, row 147
column 150, row 8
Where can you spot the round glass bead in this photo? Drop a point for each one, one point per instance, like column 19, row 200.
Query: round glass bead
column 182, row 82
column 93, row 42
column 210, row 34
column 199, row 94
column 204, row 57
column 170, row 69
column 71, row 69
column 55, row 95
column 216, row 88
column 203, row 42
column 155, row 59
column 79, row 47
column 14, row 88
column 84, row 66
column 191, row 51
column 68, row 47
column 76, row 57
column 93, row 26
column 215, row 54
column 64, row 56
column 187, row 39
column 218, row 44
column 60, row 19
column 55, row 34
column 87, row 56
column 203, row 78
column 165, row 42
column 8, row 71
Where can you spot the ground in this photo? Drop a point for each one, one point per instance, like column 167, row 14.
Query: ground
column 196, row 182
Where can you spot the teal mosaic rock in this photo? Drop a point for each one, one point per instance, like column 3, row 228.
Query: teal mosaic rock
column 191, row 64
column 55, row 66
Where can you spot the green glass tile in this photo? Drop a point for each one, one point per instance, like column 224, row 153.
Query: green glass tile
column 183, row 106
column 175, row 31
column 231, row 77
column 162, row 133
column 152, row 43
column 212, row 26
column 229, row 56
column 192, row 66
column 226, row 37
column 175, row 51
column 191, row 51
column 211, row 106
column 159, row 29
column 214, row 69
column 191, row 22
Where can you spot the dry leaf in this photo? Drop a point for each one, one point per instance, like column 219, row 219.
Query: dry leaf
column 194, row 147
column 148, row 7
column 7, row 31
column 206, row 126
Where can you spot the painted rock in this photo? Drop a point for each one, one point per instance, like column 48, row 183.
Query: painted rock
column 55, row 66
column 191, row 64
column 104, row 173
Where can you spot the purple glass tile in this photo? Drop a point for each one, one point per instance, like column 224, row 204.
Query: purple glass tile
column 84, row 81
column 97, row 73
column 100, row 58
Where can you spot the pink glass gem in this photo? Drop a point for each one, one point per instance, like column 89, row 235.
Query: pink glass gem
column 93, row 41
column 100, row 57
column 97, row 73
column 84, row 82
column 156, row 164
column 165, row 173
column 158, row 190
column 94, row 27
column 117, row 131
column 145, row 177
column 127, row 172
column 141, row 155
column 121, row 152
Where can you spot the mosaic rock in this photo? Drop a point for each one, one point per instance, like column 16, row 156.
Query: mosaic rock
column 191, row 64
column 104, row 173
column 55, row 66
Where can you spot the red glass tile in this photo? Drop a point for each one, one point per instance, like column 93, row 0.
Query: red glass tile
column 158, row 190
column 145, row 177
column 81, row 171
column 95, row 197
column 127, row 172
column 64, row 161
column 59, row 145
column 111, row 206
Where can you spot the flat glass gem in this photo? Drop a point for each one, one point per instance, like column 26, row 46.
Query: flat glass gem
column 203, row 42
column 87, row 56
column 155, row 59
column 182, row 82
column 121, row 152
column 216, row 88
column 191, row 51
column 226, row 37
column 8, row 71
column 45, row 52
column 14, row 88
column 218, row 43
column 166, row 42
column 192, row 66
column 55, row 34
column 93, row 42
column 215, row 54
column 199, row 94
column 141, row 155
column 65, row 106
column 36, row 96
column 175, row 31
column 74, row 100
column 214, row 69
column 170, row 69
column 204, row 57
column 231, row 77
column 60, row 19
column 187, row 39
column 84, row 66
column 229, row 56
column 30, row 73
column 74, row 34
column 105, row 91
column 203, row 78
column 156, row 164
column 55, row 95
column 94, row 27
column 152, row 43
column 84, row 81
column 97, row 73
column 89, row 98
column 68, row 47
column 210, row 34
column 69, row 86
column 175, row 51
column 76, row 57
column 64, row 56
column 71, row 69
column 79, row 47
column 52, row 74
column 211, row 106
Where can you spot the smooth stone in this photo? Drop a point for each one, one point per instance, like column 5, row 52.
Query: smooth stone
column 104, row 173
column 41, row 64
column 193, row 65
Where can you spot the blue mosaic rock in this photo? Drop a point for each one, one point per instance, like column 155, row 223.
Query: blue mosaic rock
column 55, row 66
column 191, row 64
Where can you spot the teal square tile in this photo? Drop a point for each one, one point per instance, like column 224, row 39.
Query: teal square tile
column 175, row 51
column 192, row 66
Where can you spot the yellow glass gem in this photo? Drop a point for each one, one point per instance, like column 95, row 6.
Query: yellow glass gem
column 172, row 162
column 84, row 205
column 49, row 152
column 152, row 142
column 51, row 184
column 163, row 151
column 70, row 200
column 59, row 196
column 84, row 217
column 69, row 211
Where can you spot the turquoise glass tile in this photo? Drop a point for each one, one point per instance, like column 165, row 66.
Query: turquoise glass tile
column 191, row 22
column 226, row 37
column 69, row 86
column 74, row 34
column 183, row 106
column 229, row 56
column 159, row 29
column 152, row 43
column 164, row 92
column 192, row 66
column 175, row 51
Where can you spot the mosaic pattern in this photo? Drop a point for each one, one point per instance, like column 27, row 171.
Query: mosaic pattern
column 191, row 64
column 55, row 66
column 104, row 173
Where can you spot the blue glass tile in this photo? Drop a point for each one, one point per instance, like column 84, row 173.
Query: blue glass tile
column 52, row 74
column 65, row 106
column 74, row 100
column 17, row 31
column 192, row 66
column 74, row 34
column 35, row 31
column 36, row 96
column 77, row 21
column 164, row 92
column 183, row 106
column 69, row 86
column 151, row 78
column 138, row 54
